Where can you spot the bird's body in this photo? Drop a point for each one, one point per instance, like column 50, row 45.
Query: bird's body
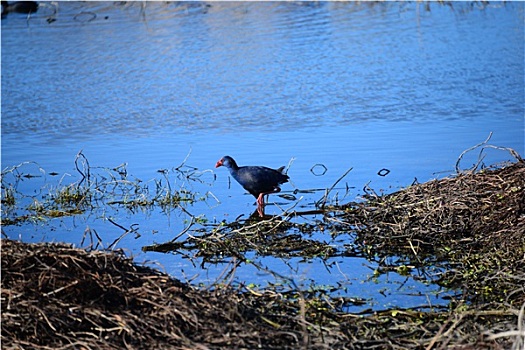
column 19, row 7
column 257, row 180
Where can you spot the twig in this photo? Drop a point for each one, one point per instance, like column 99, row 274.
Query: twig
column 184, row 161
column 480, row 158
column 325, row 197
column 61, row 288
column 289, row 165
column 45, row 318
column 127, row 231
column 86, row 176
column 414, row 250
column 192, row 221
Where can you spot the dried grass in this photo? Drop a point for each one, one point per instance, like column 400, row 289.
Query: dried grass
column 474, row 222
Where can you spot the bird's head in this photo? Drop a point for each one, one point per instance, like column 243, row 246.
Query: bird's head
column 226, row 161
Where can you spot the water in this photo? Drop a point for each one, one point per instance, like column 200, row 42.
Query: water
column 362, row 85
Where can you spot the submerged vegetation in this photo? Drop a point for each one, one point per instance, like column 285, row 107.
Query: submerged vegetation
column 96, row 188
column 471, row 227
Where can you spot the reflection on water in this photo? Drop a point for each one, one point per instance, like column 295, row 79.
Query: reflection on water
column 367, row 86
column 156, row 69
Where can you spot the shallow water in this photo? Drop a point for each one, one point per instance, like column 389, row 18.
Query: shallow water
column 401, row 86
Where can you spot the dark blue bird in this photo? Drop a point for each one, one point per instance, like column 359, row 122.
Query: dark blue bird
column 19, row 7
column 258, row 180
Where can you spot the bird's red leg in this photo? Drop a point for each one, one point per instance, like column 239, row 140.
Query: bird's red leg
column 260, row 205
column 260, row 199
column 260, row 210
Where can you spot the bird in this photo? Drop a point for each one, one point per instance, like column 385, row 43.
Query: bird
column 257, row 180
column 19, row 7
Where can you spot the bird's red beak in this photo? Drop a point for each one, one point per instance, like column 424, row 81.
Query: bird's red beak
column 219, row 163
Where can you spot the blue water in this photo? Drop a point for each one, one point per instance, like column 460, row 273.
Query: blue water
column 367, row 86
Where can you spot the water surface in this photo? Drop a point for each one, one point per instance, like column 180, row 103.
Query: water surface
column 367, row 86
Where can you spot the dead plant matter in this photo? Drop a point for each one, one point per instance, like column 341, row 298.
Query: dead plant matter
column 56, row 296
column 475, row 222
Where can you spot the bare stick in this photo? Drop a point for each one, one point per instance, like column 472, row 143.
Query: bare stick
column 485, row 145
column 192, row 221
column 184, row 161
column 470, row 149
column 86, row 164
column 325, row 197
column 127, row 231
column 75, row 282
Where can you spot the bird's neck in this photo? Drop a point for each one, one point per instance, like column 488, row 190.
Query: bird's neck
column 233, row 166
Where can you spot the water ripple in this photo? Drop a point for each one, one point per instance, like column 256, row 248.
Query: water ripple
column 146, row 68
